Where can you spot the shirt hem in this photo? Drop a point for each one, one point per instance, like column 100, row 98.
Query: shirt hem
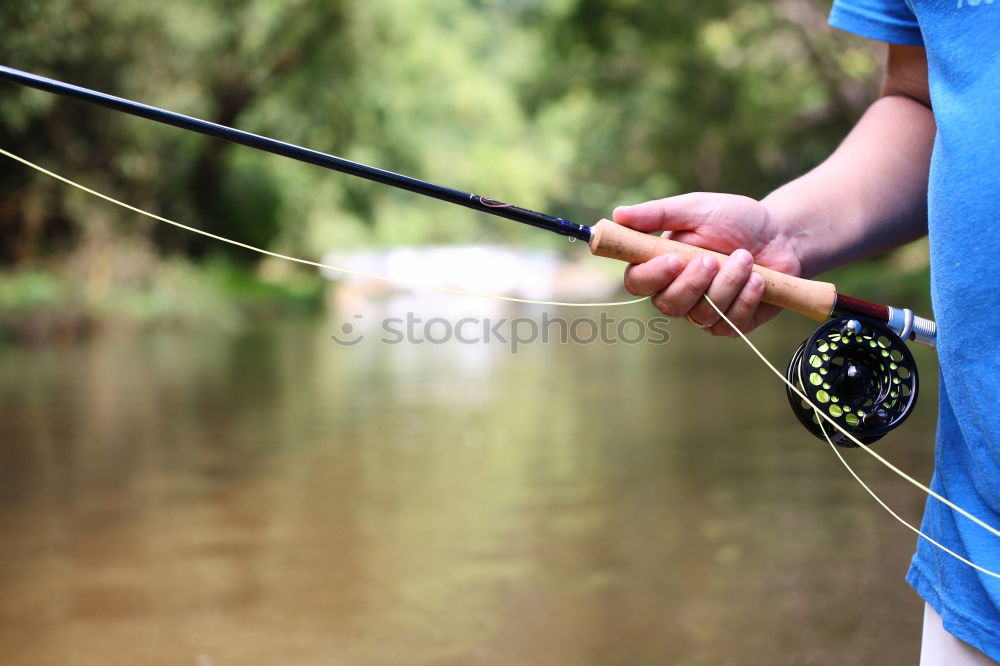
column 882, row 28
column 956, row 623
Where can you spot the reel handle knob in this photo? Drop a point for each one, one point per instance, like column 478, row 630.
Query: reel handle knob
column 877, row 418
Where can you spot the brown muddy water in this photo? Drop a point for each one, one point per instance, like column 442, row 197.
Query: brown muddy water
column 272, row 497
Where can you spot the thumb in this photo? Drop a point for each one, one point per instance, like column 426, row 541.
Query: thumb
column 685, row 212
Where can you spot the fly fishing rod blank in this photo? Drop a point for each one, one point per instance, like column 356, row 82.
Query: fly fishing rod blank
column 868, row 394
column 476, row 202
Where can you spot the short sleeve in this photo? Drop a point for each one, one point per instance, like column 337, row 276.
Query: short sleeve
column 886, row 20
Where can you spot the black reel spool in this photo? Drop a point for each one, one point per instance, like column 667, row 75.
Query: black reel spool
column 859, row 373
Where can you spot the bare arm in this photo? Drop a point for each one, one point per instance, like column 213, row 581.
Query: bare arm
column 868, row 196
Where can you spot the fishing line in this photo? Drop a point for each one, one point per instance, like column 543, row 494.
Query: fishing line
column 897, row 516
column 821, row 414
column 307, row 262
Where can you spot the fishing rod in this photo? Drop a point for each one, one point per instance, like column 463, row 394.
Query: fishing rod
column 855, row 366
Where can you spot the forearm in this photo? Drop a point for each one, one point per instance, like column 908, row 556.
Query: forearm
column 869, row 196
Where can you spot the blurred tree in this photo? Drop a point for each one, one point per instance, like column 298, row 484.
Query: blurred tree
column 87, row 47
column 225, row 55
column 689, row 95
column 571, row 106
column 400, row 85
column 254, row 50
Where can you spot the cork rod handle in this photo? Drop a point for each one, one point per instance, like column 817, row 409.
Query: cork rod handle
column 808, row 297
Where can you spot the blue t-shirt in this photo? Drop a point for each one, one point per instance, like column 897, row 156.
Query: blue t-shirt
column 962, row 38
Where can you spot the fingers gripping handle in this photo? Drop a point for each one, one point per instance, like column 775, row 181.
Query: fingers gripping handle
column 808, row 297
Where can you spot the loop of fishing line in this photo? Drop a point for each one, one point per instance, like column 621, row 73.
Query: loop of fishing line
column 823, row 416
column 307, row 262
column 820, row 413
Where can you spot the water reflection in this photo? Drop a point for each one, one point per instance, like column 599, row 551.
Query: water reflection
column 275, row 498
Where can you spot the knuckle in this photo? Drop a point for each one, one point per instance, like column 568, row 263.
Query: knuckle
column 672, row 310
column 747, row 299
column 741, row 320
column 667, row 306
column 720, row 330
column 634, row 284
column 746, row 303
column 693, row 289
column 705, row 315
column 734, row 280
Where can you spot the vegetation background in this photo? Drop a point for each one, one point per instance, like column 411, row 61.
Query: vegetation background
column 232, row 485
column 570, row 106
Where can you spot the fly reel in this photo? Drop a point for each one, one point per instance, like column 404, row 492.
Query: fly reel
column 858, row 372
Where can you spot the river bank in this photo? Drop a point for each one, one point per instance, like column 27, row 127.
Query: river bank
column 131, row 289
column 61, row 304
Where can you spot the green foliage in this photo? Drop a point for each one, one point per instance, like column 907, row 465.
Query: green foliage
column 573, row 106
column 722, row 96
column 570, row 106
column 31, row 290
column 37, row 305
column 428, row 90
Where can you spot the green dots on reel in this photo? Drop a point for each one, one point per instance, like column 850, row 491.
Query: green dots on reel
column 859, row 373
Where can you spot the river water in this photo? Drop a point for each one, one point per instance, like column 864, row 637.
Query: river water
column 273, row 497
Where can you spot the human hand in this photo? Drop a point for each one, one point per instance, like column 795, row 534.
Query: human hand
column 722, row 222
